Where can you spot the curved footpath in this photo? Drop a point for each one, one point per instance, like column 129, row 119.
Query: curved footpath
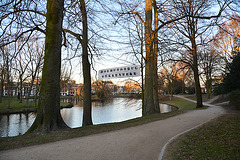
column 143, row 142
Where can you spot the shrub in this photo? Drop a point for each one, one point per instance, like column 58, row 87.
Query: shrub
column 235, row 98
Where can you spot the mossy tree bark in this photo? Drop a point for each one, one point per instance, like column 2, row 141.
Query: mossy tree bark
column 48, row 113
column 149, row 107
column 87, row 102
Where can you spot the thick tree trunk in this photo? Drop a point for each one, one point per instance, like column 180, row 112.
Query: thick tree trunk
column 149, row 107
column 87, row 102
column 48, row 114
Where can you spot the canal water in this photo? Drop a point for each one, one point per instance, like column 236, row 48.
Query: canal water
column 114, row 110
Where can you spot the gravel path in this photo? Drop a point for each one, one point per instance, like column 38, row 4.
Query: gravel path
column 143, row 142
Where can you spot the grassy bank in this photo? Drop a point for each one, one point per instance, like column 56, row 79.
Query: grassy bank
column 33, row 139
column 182, row 104
column 17, row 107
column 204, row 97
column 218, row 139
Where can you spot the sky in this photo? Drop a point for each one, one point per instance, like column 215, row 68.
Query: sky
column 110, row 53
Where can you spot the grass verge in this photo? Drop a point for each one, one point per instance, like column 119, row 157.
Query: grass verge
column 218, row 139
column 34, row 139
column 182, row 104
column 204, row 97
column 17, row 107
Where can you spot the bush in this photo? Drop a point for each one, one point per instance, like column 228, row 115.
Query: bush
column 220, row 89
column 234, row 98
column 231, row 80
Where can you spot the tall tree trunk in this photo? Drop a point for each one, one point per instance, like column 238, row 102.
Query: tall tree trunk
column 8, row 83
column 196, row 75
column 20, row 89
column 1, row 92
column 87, row 102
column 28, row 94
column 149, row 62
column 48, row 113
column 155, row 55
column 37, row 90
column 3, row 74
column 183, row 87
column 207, row 82
column 2, row 83
column 142, row 77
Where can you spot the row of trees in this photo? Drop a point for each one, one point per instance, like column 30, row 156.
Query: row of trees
column 214, row 55
column 172, row 29
column 186, row 26
column 24, row 67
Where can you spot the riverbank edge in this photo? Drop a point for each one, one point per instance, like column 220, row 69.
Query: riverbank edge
column 29, row 110
column 31, row 139
column 70, row 105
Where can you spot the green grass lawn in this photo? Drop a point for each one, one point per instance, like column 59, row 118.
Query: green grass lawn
column 16, row 106
column 204, row 97
column 218, row 139
column 182, row 104
column 33, row 139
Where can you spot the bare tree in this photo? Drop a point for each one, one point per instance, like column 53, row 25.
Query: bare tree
column 87, row 111
column 210, row 64
column 227, row 39
column 21, row 66
column 35, row 54
column 80, row 34
column 192, row 27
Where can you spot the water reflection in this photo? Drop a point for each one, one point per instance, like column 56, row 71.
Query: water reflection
column 15, row 124
column 117, row 110
column 165, row 108
column 114, row 110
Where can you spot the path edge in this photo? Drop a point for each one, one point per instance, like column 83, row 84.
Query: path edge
column 179, row 134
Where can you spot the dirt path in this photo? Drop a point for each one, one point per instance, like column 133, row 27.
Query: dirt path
column 143, row 142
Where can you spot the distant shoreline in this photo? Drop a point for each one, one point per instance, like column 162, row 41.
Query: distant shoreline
column 29, row 110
